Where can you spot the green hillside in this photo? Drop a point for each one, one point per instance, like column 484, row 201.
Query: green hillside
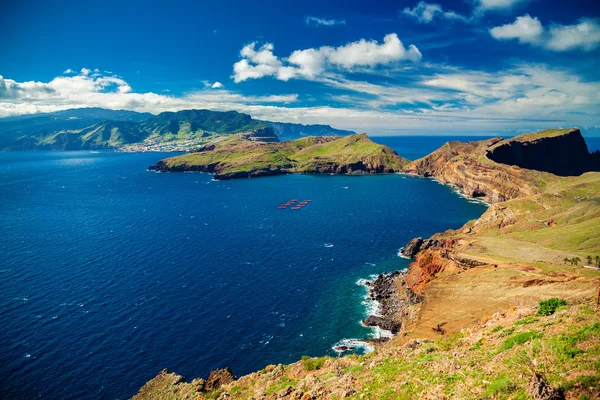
column 240, row 157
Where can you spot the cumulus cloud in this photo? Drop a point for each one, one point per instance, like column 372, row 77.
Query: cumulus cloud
column 323, row 22
column 310, row 63
column 68, row 71
column 584, row 35
column 525, row 29
column 216, row 85
column 426, row 13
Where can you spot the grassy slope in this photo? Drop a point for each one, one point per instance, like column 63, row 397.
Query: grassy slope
column 303, row 155
column 493, row 359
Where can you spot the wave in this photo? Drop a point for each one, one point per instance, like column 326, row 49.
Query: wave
column 402, row 255
column 345, row 345
column 372, row 307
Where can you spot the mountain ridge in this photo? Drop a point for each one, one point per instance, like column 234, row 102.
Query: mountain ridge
column 178, row 130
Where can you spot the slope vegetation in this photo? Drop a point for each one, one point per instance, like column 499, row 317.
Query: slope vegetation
column 242, row 157
column 512, row 354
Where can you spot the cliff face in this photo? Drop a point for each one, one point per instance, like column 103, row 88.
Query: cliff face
column 465, row 166
column 496, row 170
column 563, row 154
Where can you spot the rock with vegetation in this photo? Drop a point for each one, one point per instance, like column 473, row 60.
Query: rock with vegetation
column 506, row 355
column 242, row 157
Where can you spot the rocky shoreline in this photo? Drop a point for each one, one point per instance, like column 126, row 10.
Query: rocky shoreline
column 395, row 302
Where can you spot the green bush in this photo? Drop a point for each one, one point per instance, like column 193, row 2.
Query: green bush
column 312, row 364
column 549, row 307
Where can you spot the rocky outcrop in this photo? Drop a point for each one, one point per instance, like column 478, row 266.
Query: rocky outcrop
column 496, row 170
column 387, row 324
column 266, row 135
column 414, row 246
column 465, row 166
column 169, row 385
column 218, row 378
column 564, row 154
column 395, row 300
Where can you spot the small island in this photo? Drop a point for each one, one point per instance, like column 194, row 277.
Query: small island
column 260, row 153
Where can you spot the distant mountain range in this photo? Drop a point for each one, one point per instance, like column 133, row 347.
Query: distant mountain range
column 97, row 128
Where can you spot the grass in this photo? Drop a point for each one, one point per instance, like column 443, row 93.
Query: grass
column 549, row 307
column 566, row 354
column 519, row 339
column 526, row 321
column 237, row 156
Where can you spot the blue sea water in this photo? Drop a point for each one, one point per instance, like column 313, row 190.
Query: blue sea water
column 110, row 273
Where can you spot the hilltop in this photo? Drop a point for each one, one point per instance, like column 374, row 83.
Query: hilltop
column 471, row 310
column 132, row 131
column 244, row 156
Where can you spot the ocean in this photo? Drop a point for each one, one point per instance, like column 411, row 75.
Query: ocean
column 110, row 273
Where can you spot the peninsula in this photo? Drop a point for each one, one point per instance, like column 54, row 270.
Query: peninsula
column 259, row 153
column 500, row 308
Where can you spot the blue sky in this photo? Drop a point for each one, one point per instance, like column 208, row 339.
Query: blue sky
column 404, row 67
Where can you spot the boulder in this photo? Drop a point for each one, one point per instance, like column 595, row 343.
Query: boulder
column 412, row 247
column 218, row 378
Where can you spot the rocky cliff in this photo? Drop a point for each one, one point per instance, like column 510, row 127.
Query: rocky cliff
column 561, row 152
column 497, row 170
column 465, row 166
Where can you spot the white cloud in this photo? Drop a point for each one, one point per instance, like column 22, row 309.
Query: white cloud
column 426, row 13
column 525, row 29
column 68, row 71
column 256, row 64
column 217, row 85
column 96, row 90
column 323, row 22
column 425, row 98
column 584, row 36
column 486, row 5
column 310, row 63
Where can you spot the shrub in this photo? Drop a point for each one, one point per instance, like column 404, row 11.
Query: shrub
column 549, row 307
column 312, row 364
column 520, row 338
